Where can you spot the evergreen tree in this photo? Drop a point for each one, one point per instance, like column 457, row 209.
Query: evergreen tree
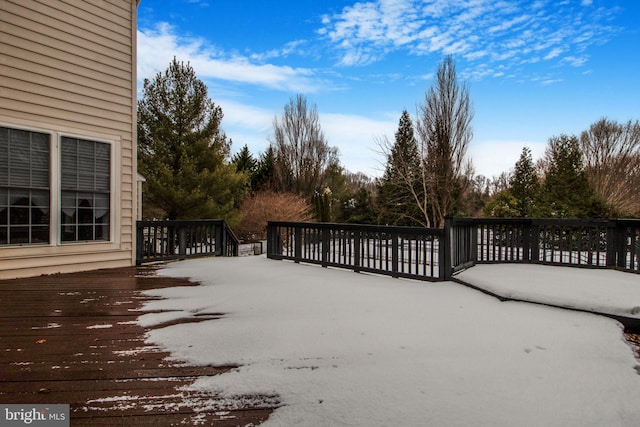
column 524, row 185
column 182, row 152
column 264, row 176
column 244, row 161
column 400, row 188
column 359, row 208
column 566, row 192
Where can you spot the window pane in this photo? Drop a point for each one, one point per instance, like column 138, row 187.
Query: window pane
column 39, row 216
column 102, row 217
column 85, row 216
column 24, row 173
column 40, row 234
column 87, row 184
column 68, row 199
column 3, row 235
column 39, row 178
column 103, row 183
column 68, row 233
column 102, row 232
column 19, row 216
column 40, row 141
column 19, row 175
column 102, row 200
column 85, row 232
column 18, row 235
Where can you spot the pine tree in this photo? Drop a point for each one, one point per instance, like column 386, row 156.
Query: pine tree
column 244, row 161
column 566, row 192
column 524, row 185
column 400, row 186
column 182, row 152
column 264, row 176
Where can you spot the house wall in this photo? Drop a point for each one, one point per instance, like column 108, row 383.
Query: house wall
column 68, row 68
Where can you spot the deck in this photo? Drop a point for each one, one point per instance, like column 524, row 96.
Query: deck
column 73, row 339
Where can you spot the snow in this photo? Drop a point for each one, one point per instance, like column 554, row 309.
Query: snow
column 347, row 349
column 601, row 291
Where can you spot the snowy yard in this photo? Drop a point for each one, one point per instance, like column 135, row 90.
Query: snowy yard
column 348, row 349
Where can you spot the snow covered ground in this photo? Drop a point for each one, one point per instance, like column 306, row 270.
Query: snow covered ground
column 600, row 291
column 348, row 349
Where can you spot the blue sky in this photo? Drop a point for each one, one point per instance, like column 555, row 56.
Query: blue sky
column 535, row 68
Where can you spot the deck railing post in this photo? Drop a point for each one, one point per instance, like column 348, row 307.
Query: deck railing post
column 274, row 240
column 395, row 248
column 357, row 237
column 325, row 245
column 297, row 241
column 445, row 241
column 140, row 243
column 534, row 241
column 182, row 240
column 612, row 244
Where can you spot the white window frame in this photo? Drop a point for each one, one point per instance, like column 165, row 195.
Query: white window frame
column 55, row 190
column 58, row 193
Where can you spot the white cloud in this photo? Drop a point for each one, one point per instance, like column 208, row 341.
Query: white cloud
column 575, row 61
column 554, row 53
column 491, row 158
column 506, row 32
column 356, row 136
column 157, row 47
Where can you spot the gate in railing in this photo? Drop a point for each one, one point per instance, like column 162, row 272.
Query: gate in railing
column 436, row 254
column 166, row 240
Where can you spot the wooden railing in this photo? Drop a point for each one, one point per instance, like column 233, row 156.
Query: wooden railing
column 396, row 251
column 166, row 240
column 593, row 243
column 437, row 254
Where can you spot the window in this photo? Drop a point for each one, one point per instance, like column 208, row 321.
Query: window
column 78, row 188
column 24, row 187
column 85, row 190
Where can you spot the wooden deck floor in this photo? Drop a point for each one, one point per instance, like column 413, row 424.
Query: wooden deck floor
column 73, row 339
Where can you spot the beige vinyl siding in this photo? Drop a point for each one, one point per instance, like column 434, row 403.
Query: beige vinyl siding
column 68, row 67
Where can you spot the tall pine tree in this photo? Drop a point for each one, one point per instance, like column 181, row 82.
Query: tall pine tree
column 182, row 152
column 400, row 188
column 525, row 186
column 566, row 192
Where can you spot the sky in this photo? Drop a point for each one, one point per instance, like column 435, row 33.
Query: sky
column 535, row 69
column 339, row 348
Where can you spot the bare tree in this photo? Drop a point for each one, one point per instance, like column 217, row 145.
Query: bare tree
column 612, row 163
column 302, row 154
column 443, row 132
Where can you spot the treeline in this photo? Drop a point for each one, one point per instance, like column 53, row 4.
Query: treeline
column 185, row 158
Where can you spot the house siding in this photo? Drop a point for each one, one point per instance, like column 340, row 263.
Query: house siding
column 68, row 67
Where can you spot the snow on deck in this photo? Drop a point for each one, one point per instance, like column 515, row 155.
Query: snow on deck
column 347, row 349
column 600, row 291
